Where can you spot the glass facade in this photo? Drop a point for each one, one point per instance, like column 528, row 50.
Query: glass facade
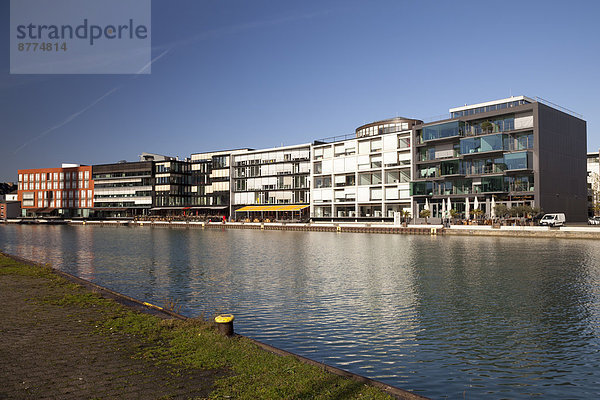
column 494, row 125
column 498, row 142
column 493, row 107
column 421, row 188
column 520, row 160
column 450, row 167
column 441, row 131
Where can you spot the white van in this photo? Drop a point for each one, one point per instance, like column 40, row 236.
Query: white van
column 553, row 219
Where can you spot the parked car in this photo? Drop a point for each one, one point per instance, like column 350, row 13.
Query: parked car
column 594, row 220
column 553, row 219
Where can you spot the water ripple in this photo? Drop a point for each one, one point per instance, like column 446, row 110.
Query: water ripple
column 447, row 317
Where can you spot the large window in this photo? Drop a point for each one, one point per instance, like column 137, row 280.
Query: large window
column 523, row 141
column 521, row 183
column 494, row 184
column 427, row 172
column 441, row 131
column 421, row 188
column 323, row 182
column 498, row 124
column 483, row 144
column 450, row 167
column 520, row 160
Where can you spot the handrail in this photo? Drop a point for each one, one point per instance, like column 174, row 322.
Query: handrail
column 561, row 108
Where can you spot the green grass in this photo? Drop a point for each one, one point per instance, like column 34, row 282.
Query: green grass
column 251, row 373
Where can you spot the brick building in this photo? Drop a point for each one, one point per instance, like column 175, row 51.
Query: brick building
column 64, row 192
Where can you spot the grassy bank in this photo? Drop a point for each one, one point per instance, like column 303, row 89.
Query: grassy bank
column 241, row 369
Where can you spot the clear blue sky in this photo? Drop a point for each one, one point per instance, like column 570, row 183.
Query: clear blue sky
column 262, row 73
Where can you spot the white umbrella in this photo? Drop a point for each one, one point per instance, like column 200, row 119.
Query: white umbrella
column 426, row 204
column 443, row 209
column 449, row 205
column 493, row 213
column 467, row 208
column 476, row 204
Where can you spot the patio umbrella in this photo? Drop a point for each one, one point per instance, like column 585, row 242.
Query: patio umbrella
column 467, row 208
column 426, row 204
column 476, row 204
column 449, row 205
column 493, row 213
column 443, row 209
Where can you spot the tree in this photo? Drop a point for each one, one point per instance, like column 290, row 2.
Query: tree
column 425, row 214
column 454, row 214
column 501, row 210
column 406, row 215
column 477, row 213
column 487, row 126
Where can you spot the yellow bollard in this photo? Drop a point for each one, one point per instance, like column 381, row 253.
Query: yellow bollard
column 225, row 324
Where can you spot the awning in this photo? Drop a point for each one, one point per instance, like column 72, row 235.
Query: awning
column 273, row 208
column 114, row 208
column 209, row 208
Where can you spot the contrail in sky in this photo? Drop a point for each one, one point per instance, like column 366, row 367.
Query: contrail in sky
column 68, row 119
column 78, row 113
column 202, row 36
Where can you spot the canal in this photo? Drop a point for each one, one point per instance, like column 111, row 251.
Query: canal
column 445, row 317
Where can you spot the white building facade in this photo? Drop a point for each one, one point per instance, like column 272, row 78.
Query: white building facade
column 365, row 178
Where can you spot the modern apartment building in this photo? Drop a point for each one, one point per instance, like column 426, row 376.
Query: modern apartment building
column 365, row 178
column 514, row 151
column 211, row 176
column 65, row 192
column 272, row 183
column 123, row 189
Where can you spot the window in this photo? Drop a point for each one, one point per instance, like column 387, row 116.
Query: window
column 441, row 131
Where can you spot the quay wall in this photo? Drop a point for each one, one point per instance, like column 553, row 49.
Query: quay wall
column 565, row 232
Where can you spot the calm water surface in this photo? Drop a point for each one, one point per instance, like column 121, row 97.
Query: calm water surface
column 455, row 317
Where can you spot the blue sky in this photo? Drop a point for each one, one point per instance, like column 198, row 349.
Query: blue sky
column 260, row 74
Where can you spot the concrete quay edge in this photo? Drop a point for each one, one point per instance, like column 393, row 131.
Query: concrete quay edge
column 160, row 312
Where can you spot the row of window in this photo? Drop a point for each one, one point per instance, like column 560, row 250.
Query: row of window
column 271, row 157
column 493, row 107
column 496, row 142
column 509, row 161
column 54, row 176
column 58, row 203
column 53, row 185
column 523, row 183
column 368, row 178
column 68, row 194
column 364, row 147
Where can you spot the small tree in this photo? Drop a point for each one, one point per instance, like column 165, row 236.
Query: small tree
column 406, row 215
column 454, row 214
column 425, row 214
column 477, row 213
column 487, row 126
column 501, row 210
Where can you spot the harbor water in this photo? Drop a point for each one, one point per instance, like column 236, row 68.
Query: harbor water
column 443, row 316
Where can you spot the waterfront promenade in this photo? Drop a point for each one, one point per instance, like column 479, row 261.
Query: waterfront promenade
column 61, row 341
column 570, row 231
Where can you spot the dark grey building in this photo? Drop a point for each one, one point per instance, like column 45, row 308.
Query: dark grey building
column 515, row 151
column 123, row 189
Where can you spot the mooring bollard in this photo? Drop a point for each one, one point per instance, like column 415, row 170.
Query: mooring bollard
column 225, row 324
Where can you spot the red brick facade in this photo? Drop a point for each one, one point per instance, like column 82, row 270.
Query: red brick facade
column 48, row 189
